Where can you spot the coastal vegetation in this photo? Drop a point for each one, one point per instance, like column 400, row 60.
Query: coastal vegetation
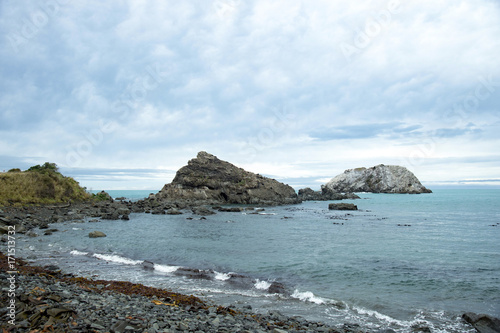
column 40, row 184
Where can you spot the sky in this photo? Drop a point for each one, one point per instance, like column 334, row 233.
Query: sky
column 121, row 94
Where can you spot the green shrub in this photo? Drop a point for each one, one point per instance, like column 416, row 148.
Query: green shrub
column 40, row 184
column 46, row 167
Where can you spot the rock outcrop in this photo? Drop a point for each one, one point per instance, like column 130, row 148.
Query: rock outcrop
column 308, row 194
column 377, row 179
column 207, row 180
column 482, row 323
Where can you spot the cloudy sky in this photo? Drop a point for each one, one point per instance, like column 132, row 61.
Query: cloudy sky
column 120, row 94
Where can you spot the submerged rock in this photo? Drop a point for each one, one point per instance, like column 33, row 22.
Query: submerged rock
column 377, row 179
column 207, row 180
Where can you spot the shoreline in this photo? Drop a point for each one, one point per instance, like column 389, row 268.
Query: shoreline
column 48, row 299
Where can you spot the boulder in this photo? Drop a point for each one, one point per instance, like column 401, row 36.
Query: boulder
column 342, row 206
column 207, row 180
column 482, row 323
column 148, row 265
column 377, row 179
column 276, row 288
column 97, row 234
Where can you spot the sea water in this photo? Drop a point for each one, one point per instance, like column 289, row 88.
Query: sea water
column 398, row 262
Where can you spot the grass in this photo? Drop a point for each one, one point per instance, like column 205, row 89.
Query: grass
column 39, row 186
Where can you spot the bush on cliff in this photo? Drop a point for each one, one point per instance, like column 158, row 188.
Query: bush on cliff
column 40, row 184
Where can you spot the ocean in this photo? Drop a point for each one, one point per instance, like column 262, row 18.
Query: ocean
column 401, row 261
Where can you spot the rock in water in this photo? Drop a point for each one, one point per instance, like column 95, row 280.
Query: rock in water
column 342, row 206
column 377, row 179
column 97, row 234
column 207, row 180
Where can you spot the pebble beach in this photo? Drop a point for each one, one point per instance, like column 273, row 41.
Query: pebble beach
column 47, row 300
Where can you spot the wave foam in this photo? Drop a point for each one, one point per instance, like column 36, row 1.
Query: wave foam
column 78, row 253
column 307, row 296
column 165, row 268
column 378, row 315
column 262, row 285
column 222, row 276
column 117, row 259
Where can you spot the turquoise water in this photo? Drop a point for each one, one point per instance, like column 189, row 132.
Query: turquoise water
column 400, row 261
column 129, row 195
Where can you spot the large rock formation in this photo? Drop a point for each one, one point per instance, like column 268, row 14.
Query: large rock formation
column 377, row 179
column 207, row 180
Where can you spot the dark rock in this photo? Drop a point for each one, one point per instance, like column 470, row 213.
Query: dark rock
column 158, row 211
column 420, row 329
column 194, row 273
column 482, row 323
column 148, row 265
column 342, row 206
column 326, row 194
column 125, row 217
column 206, row 180
column 111, row 216
column 203, row 211
column 276, row 288
column 96, row 234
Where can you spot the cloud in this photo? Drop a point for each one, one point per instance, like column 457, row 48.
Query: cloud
column 138, row 84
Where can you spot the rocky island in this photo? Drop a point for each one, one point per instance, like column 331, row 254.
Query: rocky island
column 378, row 179
column 207, row 180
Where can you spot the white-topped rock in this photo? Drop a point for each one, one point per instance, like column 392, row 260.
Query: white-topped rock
column 378, row 179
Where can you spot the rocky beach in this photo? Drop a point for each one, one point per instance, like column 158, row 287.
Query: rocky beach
column 47, row 300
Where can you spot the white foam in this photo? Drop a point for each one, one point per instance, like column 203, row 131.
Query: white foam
column 307, row 296
column 117, row 259
column 165, row 268
column 262, row 285
column 78, row 253
column 379, row 316
column 222, row 276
